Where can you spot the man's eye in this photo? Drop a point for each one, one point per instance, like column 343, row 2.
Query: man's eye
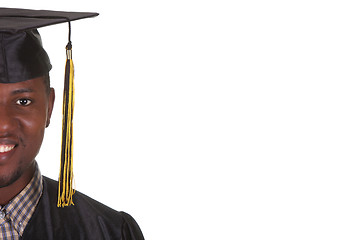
column 23, row 102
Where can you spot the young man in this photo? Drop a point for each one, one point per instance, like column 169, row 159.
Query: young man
column 29, row 201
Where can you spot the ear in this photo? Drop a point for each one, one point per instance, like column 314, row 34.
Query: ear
column 51, row 102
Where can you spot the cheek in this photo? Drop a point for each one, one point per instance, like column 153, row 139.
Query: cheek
column 31, row 138
column 32, row 127
column 33, row 120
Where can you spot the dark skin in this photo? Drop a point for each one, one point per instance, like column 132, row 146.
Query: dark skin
column 25, row 111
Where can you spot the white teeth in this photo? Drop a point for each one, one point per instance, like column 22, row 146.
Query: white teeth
column 6, row 148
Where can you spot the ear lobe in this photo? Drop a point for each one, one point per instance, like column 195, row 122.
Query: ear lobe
column 50, row 106
column 47, row 122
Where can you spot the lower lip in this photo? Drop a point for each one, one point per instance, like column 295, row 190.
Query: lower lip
column 4, row 156
column 7, row 151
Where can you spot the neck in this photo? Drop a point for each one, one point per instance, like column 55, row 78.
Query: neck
column 9, row 192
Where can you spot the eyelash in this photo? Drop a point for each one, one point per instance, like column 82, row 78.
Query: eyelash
column 26, row 100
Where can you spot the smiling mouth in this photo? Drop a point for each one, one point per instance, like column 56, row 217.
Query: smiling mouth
column 6, row 148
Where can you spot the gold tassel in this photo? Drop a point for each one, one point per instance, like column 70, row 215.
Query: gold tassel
column 66, row 191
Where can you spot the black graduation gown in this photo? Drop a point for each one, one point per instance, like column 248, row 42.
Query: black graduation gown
column 87, row 219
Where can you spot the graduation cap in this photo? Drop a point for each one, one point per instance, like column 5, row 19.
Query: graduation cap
column 22, row 57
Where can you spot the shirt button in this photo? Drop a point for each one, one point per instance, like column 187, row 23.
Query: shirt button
column 2, row 214
column 20, row 224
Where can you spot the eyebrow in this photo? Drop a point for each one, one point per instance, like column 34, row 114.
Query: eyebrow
column 22, row 90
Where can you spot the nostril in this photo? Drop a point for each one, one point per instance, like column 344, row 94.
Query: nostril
column 7, row 123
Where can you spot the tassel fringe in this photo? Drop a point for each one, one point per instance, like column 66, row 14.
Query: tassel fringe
column 66, row 191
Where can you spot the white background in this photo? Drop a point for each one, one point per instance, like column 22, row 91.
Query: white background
column 210, row 119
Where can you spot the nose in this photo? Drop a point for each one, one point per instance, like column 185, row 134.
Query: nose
column 8, row 120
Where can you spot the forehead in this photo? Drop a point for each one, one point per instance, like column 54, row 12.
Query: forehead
column 36, row 85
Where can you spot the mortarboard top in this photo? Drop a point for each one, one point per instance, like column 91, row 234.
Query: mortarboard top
column 13, row 20
column 22, row 57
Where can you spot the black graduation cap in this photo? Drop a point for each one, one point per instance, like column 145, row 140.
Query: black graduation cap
column 22, row 57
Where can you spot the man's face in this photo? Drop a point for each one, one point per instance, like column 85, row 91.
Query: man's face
column 25, row 110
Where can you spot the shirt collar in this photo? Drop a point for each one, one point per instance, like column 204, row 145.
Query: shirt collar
column 21, row 208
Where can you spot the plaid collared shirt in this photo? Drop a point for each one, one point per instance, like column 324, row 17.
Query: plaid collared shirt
column 15, row 216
